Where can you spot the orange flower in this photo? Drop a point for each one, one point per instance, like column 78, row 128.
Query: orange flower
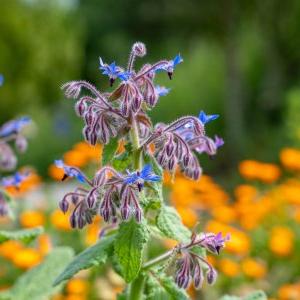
column 26, row 258
column 289, row 292
column 251, row 169
column 223, row 213
column 92, row 234
column 9, row 248
column 253, row 268
column 75, row 158
column 282, row 241
column 169, row 243
column 60, row 220
column 188, row 216
column 44, row 244
column 31, row 218
column 229, row 267
column 55, row 172
column 77, row 286
column 290, row 158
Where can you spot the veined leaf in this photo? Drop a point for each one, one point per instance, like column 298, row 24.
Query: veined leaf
column 36, row 284
column 169, row 223
column 109, row 151
column 129, row 247
column 24, row 235
column 92, row 256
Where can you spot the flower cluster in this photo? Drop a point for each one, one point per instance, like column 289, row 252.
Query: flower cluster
column 122, row 114
column 111, row 194
column 190, row 266
column 12, row 131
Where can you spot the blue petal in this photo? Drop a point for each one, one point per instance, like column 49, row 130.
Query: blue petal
column 177, row 60
column 204, row 118
column 59, row 163
column 80, row 177
column 1, row 79
column 153, row 177
column 146, row 171
column 131, row 179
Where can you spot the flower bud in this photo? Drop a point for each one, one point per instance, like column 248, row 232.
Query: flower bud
column 21, row 143
column 198, row 276
column 211, row 276
column 64, row 205
column 139, row 49
column 73, row 221
column 80, row 108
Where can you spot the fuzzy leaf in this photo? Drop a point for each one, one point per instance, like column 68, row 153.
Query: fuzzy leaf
column 24, row 235
column 129, row 247
column 163, row 287
column 257, row 295
column 169, row 223
column 109, row 151
column 124, row 160
column 92, row 256
column 36, row 284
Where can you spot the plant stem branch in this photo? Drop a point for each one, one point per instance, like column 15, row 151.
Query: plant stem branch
column 136, row 288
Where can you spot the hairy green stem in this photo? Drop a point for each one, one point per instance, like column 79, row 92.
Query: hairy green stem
column 157, row 260
column 137, row 153
column 136, row 288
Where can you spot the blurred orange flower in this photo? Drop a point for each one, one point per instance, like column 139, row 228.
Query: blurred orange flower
column 229, row 267
column 60, row 220
column 26, row 258
column 253, row 268
column 32, row 218
column 282, row 241
column 290, row 158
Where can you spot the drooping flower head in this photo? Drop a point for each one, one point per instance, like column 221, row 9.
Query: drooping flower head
column 170, row 65
column 70, row 171
column 14, row 180
column 13, row 126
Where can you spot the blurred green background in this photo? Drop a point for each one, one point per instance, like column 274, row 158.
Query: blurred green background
column 241, row 60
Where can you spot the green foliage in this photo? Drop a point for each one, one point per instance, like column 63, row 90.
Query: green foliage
column 93, row 256
column 169, row 223
column 129, row 246
column 124, row 160
column 36, row 284
column 257, row 295
column 24, row 235
column 109, row 151
column 160, row 286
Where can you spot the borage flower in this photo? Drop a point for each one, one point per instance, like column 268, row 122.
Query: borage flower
column 170, row 66
column 140, row 177
column 14, row 126
column 161, row 90
column 14, row 180
column 70, row 171
column 204, row 118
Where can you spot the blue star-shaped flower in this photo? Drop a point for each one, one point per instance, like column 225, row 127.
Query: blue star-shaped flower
column 170, row 66
column 142, row 176
column 161, row 90
column 204, row 118
column 124, row 76
column 70, row 171
column 1, row 79
column 13, row 126
column 111, row 70
column 14, row 180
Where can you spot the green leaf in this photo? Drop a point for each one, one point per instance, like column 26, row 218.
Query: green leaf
column 169, row 223
column 129, row 247
column 36, row 284
column 124, row 160
column 257, row 295
column 24, row 235
column 92, row 256
column 163, row 286
column 109, row 151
